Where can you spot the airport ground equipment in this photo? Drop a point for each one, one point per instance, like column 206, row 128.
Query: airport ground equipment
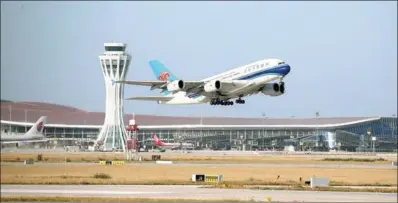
column 319, row 182
column 208, row 178
column 156, row 157
column 118, row 163
column 29, row 161
column 114, row 64
column 108, row 162
column 213, row 178
column 198, row 177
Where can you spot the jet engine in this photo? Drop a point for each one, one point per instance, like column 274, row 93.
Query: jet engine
column 212, row 86
column 274, row 89
column 175, row 85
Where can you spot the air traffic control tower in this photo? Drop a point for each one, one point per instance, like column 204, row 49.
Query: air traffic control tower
column 114, row 64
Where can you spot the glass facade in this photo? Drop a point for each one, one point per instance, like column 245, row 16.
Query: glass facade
column 353, row 138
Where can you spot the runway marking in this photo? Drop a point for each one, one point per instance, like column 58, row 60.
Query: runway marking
column 80, row 192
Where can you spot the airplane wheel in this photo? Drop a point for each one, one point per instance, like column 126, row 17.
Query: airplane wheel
column 240, row 101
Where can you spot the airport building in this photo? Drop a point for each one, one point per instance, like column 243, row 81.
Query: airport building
column 69, row 126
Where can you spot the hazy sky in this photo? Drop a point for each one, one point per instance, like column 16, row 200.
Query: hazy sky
column 343, row 54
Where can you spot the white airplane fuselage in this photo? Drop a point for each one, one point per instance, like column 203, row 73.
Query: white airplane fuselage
column 258, row 74
column 34, row 134
column 174, row 145
column 22, row 137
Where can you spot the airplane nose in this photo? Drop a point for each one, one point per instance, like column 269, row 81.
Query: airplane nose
column 285, row 69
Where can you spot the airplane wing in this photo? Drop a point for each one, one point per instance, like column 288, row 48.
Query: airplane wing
column 151, row 98
column 191, row 87
column 142, row 83
column 161, row 84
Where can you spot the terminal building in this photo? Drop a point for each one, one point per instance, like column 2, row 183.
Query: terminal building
column 69, row 126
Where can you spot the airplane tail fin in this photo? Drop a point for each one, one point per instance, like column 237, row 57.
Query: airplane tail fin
column 156, row 140
column 161, row 72
column 38, row 127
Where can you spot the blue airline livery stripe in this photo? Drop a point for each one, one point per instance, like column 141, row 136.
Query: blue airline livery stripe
column 278, row 70
column 281, row 70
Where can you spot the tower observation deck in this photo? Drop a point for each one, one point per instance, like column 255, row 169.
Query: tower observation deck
column 114, row 64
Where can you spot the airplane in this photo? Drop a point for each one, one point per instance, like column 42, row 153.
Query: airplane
column 237, row 83
column 35, row 134
column 159, row 143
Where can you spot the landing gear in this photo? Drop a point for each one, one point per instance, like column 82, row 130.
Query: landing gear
column 220, row 102
column 240, row 101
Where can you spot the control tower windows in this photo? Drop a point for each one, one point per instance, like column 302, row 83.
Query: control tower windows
column 115, row 48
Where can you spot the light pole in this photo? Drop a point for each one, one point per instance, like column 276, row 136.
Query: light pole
column 83, row 133
column 241, row 140
column 9, row 106
column 201, row 131
column 26, row 118
column 369, row 133
column 393, row 127
column 317, row 131
column 263, row 115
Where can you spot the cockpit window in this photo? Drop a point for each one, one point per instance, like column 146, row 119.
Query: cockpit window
column 281, row 63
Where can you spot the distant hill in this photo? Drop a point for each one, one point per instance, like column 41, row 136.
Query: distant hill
column 5, row 101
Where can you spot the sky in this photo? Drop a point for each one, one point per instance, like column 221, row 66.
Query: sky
column 343, row 55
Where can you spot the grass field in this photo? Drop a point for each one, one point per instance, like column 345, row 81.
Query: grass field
column 174, row 174
column 194, row 159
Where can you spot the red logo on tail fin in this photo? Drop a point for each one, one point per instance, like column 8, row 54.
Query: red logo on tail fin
column 39, row 126
column 164, row 76
column 156, row 140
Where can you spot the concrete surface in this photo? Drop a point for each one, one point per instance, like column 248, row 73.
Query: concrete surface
column 191, row 192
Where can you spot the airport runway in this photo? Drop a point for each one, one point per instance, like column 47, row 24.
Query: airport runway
column 191, row 192
column 335, row 166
